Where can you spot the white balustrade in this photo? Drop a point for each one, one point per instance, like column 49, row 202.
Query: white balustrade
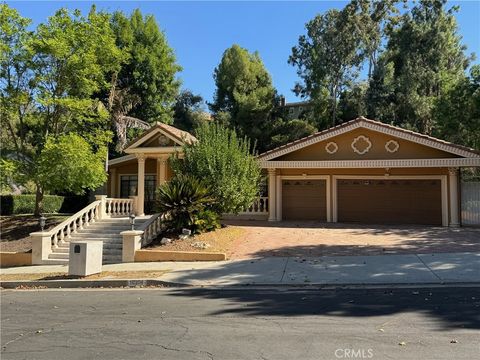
column 63, row 231
column 151, row 228
column 119, row 207
column 260, row 206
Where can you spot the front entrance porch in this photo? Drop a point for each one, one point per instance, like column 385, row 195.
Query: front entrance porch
column 140, row 176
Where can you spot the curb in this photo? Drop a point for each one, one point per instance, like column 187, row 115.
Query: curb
column 139, row 283
column 74, row 284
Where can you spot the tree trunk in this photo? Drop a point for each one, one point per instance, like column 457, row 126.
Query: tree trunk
column 38, row 201
column 334, row 107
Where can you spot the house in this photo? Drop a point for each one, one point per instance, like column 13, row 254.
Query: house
column 362, row 171
column 366, row 171
column 294, row 110
column 147, row 159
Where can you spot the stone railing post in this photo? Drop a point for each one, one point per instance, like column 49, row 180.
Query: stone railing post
column 103, row 206
column 134, row 204
column 132, row 241
column 41, row 247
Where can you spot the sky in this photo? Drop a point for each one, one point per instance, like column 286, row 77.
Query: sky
column 200, row 31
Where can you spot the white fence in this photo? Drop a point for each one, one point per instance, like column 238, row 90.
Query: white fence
column 471, row 203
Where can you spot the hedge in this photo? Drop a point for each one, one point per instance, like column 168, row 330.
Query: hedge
column 25, row 204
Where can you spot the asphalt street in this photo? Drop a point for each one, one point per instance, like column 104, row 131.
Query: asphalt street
column 247, row 323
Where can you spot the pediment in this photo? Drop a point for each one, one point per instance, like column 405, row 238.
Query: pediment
column 363, row 139
column 161, row 136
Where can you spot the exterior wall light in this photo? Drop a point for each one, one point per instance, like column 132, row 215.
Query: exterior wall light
column 132, row 221
column 42, row 221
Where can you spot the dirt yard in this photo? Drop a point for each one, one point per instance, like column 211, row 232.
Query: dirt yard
column 15, row 230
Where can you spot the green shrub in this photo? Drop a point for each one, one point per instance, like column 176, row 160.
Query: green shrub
column 187, row 202
column 224, row 162
column 25, row 204
column 207, row 220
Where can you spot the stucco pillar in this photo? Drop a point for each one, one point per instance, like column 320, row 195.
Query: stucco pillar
column 453, row 196
column 141, row 184
column 113, row 182
column 161, row 170
column 132, row 241
column 103, row 206
column 41, row 247
column 272, row 194
column 278, row 197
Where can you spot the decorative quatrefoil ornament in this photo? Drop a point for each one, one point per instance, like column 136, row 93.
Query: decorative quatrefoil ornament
column 361, row 144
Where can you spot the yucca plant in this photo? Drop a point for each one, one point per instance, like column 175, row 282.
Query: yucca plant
column 183, row 201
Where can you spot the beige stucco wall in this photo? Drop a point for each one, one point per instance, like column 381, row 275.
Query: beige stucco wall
column 407, row 149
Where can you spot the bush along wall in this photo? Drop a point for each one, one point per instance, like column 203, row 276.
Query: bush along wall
column 25, row 204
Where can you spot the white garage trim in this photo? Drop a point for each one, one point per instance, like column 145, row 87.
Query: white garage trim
column 279, row 192
column 442, row 178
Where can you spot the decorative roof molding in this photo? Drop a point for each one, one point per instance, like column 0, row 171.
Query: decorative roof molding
column 377, row 126
column 352, row 164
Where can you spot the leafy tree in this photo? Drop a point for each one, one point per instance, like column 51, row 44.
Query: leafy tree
column 68, row 164
column 8, row 170
column 291, row 130
column 352, row 102
column 146, row 81
column 328, row 56
column 224, row 162
column 458, row 111
column 188, row 111
column 427, row 60
column 48, row 79
column 245, row 92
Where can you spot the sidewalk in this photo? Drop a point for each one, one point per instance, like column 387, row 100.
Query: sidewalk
column 331, row 270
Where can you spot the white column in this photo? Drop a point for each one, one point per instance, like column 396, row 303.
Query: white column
column 453, row 196
column 113, row 182
column 272, row 206
column 141, row 184
column 161, row 171
column 279, row 197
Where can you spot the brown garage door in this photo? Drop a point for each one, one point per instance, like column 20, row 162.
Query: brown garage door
column 304, row 200
column 390, row 201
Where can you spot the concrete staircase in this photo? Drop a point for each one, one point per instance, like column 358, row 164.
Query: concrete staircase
column 106, row 230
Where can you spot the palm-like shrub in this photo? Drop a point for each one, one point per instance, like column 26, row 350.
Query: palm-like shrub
column 186, row 202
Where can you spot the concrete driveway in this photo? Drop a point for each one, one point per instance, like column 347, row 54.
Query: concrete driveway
column 312, row 239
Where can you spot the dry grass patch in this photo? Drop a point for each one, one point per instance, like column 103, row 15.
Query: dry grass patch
column 220, row 240
column 104, row 275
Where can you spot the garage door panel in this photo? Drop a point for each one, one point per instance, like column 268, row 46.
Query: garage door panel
column 390, row 201
column 304, row 200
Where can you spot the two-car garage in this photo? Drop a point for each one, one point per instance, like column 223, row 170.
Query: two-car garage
column 405, row 201
column 364, row 200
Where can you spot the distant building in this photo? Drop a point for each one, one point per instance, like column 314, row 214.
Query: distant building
column 294, row 110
